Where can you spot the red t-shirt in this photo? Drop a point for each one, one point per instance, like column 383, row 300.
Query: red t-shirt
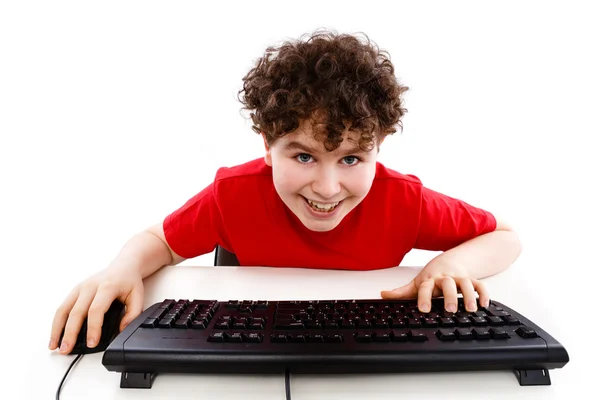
column 242, row 212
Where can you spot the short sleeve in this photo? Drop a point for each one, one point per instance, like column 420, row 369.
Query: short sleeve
column 446, row 222
column 195, row 228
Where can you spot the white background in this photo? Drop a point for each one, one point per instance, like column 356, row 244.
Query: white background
column 114, row 113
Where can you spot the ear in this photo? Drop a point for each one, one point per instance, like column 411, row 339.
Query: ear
column 268, row 159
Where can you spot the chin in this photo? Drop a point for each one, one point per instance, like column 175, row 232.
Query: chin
column 320, row 226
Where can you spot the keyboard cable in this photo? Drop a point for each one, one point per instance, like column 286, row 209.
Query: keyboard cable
column 287, row 384
column 67, row 373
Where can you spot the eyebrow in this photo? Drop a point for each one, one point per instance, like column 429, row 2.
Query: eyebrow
column 299, row 146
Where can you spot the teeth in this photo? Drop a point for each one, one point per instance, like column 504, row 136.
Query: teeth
column 322, row 206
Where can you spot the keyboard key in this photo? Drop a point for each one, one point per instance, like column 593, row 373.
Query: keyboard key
column 362, row 324
column 297, row 338
column 165, row 323
column 182, row 323
column 234, row 337
column 400, row 335
column 278, row 338
column 381, row 323
column 445, row 334
column 217, row 337
column 315, row 338
column 482, row 333
column 512, row 320
column 526, row 332
column 464, row 334
column 198, row 324
column 417, row 335
column 346, row 324
column 232, row 304
column 478, row 321
column 223, row 324
column 414, row 323
column 167, row 303
column 500, row 333
column 289, row 325
column 398, row 323
column 363, row 337
column 253, row 337
column 382, row 337
column 495, row 321
column 245, row 309
column 159, row 313
column 239, row 325
column 149, row 323
column 335, row 338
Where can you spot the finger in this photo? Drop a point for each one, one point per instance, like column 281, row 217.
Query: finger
column 75, row 321
column 408, row 291
column 468, row 292
column 484, row 296
column 60, row 318
column 450, row 294
column 134, row 305
column 100, row 304
column 425, row 294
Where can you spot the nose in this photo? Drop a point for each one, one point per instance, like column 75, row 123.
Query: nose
column 326, row 183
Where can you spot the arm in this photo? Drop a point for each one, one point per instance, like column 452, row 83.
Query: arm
column 485, row 255
column 143, row 255
column 147, row 252
column 460, row 268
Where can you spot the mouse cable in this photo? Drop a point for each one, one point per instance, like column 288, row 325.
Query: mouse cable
column 287, row 384
column 65, row 377
column 287, row 379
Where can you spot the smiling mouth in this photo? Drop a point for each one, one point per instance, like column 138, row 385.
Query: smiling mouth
column 322, row 207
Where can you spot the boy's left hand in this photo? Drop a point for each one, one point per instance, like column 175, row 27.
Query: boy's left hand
column 438, row 279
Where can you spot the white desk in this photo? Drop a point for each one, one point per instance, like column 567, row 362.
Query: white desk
column 90, row 380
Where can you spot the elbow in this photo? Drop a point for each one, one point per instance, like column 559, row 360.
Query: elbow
column 515, row 247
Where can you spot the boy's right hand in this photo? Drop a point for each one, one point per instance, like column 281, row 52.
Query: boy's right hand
column 91, row 299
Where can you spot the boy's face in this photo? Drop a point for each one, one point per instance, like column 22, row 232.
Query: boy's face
column 318, row 186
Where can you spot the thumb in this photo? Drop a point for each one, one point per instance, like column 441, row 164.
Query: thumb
column 408, row 291
column 134, row 305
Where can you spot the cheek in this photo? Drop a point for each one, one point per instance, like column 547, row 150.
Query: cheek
column 286, row 177
column 360, row 182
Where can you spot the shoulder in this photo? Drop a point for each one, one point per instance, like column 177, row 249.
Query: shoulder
column 384, row 175
column 254, row 168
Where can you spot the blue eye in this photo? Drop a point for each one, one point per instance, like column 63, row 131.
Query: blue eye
column 304, row 158
column 350, row 160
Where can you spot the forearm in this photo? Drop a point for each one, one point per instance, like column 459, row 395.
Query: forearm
column 484, row 255
column 144, row 253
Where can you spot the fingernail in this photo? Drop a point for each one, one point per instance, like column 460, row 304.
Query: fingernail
column 91, row 342
column 452, row 307
column 472, row 306
column 51, row 344
column 424, row 308
column 63, row 347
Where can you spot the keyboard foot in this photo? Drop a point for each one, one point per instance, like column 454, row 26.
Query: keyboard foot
column 137, row 380
column 532, row 377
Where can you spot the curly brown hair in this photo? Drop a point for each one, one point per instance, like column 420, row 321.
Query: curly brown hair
column 335, row 80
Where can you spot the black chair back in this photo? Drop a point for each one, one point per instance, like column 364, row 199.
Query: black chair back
column 224, row 257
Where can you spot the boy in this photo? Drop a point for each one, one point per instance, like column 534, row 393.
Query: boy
column 318, row 198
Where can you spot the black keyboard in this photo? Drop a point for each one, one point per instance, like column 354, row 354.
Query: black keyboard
column 329, row 336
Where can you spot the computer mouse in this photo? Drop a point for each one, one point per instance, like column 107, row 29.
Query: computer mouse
column 110, row 329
